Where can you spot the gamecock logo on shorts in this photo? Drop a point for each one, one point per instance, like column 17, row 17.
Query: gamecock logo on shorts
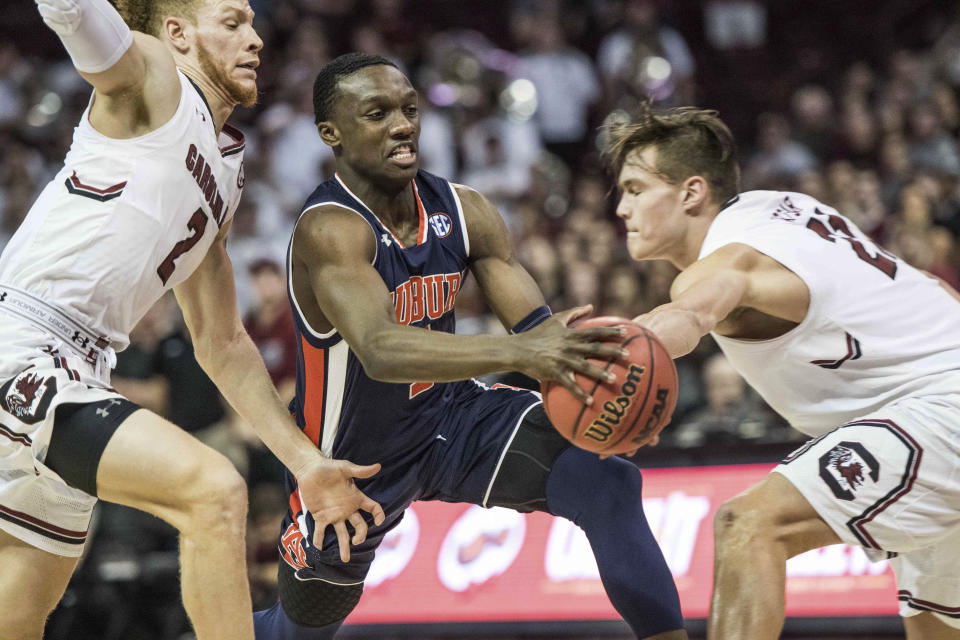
column 845, row 468
column 27, row 396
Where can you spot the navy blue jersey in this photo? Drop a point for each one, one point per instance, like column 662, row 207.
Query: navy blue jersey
column 333, row 392
column 400, row 425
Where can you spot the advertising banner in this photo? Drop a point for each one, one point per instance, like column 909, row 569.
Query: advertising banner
column 451, row 562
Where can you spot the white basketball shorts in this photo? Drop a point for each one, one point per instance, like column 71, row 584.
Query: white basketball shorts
column 36, row 505
column 890, row 482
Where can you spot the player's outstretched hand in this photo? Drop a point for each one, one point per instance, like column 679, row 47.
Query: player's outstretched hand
column 332, row 498
column 554, row 351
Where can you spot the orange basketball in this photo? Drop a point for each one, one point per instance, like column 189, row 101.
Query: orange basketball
column 627, row 412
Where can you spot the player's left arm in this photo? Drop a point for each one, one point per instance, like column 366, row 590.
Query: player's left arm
column 705, row 293
column 510, row 291
column 517, row 300
column 231, row 359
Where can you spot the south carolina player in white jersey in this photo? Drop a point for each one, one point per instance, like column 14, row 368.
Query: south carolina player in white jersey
column 852, row 345
column 142, row 205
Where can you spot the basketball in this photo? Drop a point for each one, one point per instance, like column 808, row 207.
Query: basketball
column 627, row 412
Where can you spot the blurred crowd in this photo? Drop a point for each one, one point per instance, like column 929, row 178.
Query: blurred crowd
column 854, row 103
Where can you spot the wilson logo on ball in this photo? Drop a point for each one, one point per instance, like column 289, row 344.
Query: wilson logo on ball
column 627, row 412
column 615, row 410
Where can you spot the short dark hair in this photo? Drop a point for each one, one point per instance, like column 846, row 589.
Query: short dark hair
column 325, row 86
column 689, row 142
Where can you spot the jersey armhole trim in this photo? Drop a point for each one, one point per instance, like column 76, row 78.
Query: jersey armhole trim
column 293, row 296
column 463, row 221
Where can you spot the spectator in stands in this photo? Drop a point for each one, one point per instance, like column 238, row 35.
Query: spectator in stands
column 931, row 147
column 270, row 324
column 626, row 55
column 567, row 87
column 814, row 120
column 730, row 415
column 778, row 157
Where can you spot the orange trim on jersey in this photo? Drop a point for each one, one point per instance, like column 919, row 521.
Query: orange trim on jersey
column 422, row 232
column 314, row 366
column 296, row 506
column 364, row 204
column 421, row 213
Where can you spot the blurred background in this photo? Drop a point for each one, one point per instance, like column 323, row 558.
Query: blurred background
column 852, row 101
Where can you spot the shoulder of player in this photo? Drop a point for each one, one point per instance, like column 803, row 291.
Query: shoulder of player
column 470, row 198
column 326, row 229
column 483, row 221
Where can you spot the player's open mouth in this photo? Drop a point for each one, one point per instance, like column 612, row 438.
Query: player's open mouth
column 404, row 155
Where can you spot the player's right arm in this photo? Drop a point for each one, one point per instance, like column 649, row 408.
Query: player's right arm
column 136, row 87
column 708, row 291
column 334, row 249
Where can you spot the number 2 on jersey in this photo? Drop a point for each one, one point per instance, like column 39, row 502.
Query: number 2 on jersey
column 197, row 224
column 838, row 229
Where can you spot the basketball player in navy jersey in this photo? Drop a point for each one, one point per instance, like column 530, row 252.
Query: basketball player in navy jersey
column 375, row 263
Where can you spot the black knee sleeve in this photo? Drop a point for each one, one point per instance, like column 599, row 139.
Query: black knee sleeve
column 521, row 483
column 80, row 435
column 315, row 603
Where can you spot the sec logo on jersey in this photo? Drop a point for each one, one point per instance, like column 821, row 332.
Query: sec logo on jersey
column 441, row 224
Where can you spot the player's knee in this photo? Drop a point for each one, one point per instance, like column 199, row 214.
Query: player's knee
column 585, row 489
column 616, row 491
column 739, row 522
column 315, row 604
column 620, row 485
column 217, row 499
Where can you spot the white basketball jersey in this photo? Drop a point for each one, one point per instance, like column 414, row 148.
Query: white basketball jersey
column 125, row 220
column 877, row 329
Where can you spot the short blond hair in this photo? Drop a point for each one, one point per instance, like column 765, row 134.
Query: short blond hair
column 147, row 16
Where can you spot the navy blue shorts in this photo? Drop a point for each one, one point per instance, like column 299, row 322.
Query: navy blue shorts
column 459, row 464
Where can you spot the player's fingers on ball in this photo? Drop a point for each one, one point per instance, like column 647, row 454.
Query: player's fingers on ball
column 570, row 383
column 602, row 334
column 604, row 351
column 359, row 528
column 343, row 540
column 595, row 372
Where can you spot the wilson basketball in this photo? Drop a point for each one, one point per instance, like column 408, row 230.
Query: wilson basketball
column 627, row 412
